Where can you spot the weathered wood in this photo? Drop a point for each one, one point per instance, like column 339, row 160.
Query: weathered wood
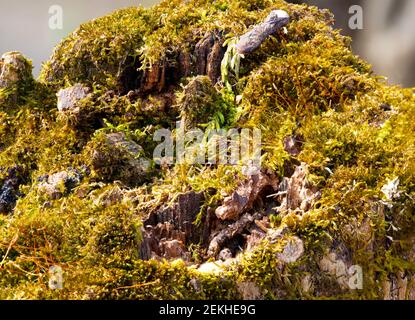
column 251, row 40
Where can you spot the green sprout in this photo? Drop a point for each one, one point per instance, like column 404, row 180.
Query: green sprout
column 230, row 62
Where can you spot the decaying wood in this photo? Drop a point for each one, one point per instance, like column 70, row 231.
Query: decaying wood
column 251, row 41
column 245, row 196
column 230, row 232
column 214, row 60
column 169, row 223
column 205, row 59
column 176, row 222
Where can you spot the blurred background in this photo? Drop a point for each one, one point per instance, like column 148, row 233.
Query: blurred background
column 25, row 24
column 386, row 40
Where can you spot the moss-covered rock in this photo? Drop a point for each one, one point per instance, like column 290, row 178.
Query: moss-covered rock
column 338, row 141
column 14, row 68
column 15, row 76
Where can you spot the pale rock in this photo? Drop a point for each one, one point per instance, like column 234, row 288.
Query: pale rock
column 296, row 192
column 56, row 185
column 307, row 283
column 214, row 268
column 293, row 250
column 292, row 145
column 14, row 67
column 196, row 284
column 225, row 254
column 173, row 249
column 68, row 98
column 249, row 291
column 254, row 239
column 274, row 235
column 335, row 267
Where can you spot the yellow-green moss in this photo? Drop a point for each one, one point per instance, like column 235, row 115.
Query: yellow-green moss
column 357, row 133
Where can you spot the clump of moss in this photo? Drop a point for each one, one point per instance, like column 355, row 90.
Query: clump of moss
column 114, row 157
column 118, row 51
column 104, row 51
column 356, row 136
column 115, row 239
column 197, row 102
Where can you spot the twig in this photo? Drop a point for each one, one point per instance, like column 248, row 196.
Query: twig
column 139, row 285
column 8, row 249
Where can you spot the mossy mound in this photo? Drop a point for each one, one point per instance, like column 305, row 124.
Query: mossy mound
column 336, row 190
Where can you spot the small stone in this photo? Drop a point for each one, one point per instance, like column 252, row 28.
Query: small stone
column 173, row 249
column 307, row 283
column 60, row 183
column 292, row 145
column 14, row 67
column 274, row 235
column 196, row 284
column 214, row 268
column 254, row 239
column 69, row 97
column 335, row 267
column 8, row 198
column 249, row 291
column 293, row 250
column 119, row 140
column 9, row 190
column 225, row 254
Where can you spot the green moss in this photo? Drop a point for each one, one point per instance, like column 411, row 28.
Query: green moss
column 357, row 134
column 114, row 157
column 100, row 51
column 198, row 101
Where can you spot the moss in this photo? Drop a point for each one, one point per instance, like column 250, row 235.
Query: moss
column 101, row 51
column 356, row 134
column 114, row 240
column 198, row 101
column 113, row 157
column 16, row 78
